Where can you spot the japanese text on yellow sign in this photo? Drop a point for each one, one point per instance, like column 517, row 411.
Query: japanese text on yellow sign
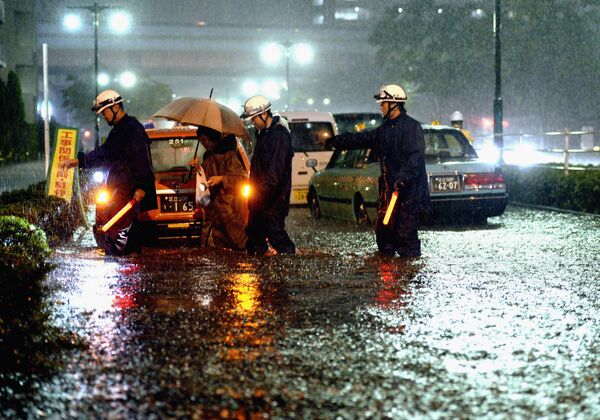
column 60, row 181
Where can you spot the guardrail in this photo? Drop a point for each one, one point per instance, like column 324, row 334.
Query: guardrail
column 562, row 146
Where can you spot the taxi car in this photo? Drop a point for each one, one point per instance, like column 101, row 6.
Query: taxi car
column 309, row 132
column 461, row 186
column 178, row 215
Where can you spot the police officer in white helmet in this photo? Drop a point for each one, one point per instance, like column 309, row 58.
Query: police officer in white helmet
column 400, row 148
column 271, row 180
column 456, row 120
column 125, row 156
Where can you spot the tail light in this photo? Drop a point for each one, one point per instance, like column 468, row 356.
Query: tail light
column 485, row 180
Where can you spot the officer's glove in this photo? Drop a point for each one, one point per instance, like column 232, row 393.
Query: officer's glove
column 328, row 145
column 400, row 186
column 138, row 195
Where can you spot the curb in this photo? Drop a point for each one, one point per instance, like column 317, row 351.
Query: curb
column 548, row 208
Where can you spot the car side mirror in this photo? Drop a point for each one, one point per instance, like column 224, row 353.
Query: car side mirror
column 311, row 163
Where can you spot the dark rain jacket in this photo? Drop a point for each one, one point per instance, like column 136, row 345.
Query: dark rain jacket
column 125, row 155
column 271, row 169
column 400, row 147
column 227, row 210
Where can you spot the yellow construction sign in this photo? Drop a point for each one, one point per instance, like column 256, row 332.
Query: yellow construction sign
column 60, row 180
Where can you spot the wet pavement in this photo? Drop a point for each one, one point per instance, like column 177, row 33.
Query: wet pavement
column 497, row 321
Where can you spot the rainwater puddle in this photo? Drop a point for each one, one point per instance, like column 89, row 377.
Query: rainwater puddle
column 500, row 320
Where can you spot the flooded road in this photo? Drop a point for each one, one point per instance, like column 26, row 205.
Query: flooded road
column 495, row 321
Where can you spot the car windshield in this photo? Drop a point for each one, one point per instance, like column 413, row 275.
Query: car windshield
column 310, row 136
column 447, row 144
column 172, row 154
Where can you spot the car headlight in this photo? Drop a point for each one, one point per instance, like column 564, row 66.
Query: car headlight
column 98, row 177
column 102, row 197
column 489, row 154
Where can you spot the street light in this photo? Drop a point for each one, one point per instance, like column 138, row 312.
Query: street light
column 127, row 79
column 301, row 53
column 119, row 23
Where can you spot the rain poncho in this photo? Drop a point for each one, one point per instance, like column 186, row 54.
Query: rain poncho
column 271, row 180
column 400, row 148
column 225, row 216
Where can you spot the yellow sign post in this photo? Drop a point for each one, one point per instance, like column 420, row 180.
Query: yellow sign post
column 60, row 181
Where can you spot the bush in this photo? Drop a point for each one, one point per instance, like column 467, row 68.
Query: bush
column 28, row 340
column 52, row 214
column 23, row 249
column 23, row 255
column 549, row 186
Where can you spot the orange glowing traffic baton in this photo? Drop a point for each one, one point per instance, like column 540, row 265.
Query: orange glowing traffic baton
column 117, row 216
column 246, row 190
column 390, row 209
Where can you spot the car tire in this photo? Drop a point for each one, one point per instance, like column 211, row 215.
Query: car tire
column 479, row 220
column 360, row 211
column 313, row 204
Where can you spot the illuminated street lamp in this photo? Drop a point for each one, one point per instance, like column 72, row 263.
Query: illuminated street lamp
column 301, row 53
column 119, row 23
column 127, row 79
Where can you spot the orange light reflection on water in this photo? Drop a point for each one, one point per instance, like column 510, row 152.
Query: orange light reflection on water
column 248, row 335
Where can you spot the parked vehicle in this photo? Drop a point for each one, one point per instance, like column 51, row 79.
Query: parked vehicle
column 352, row 122
column 309, row 131
column 461, row 186
column 178, row 214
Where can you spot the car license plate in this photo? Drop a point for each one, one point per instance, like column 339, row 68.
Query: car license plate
column 300, row 195
column 176, row 203
column 445, row 183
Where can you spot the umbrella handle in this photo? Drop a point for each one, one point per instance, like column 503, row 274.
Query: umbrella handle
column 195, row 154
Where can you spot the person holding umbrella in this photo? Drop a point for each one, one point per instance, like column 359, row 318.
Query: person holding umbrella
column 224, row 223
column 271, row 180
column 126, row 156
column 225, row 164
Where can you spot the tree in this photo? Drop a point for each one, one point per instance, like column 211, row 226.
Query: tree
column 443, row 59
column 15, row 135
column 143, row 100
column 549, row 67
column 3, row 120
column 552, row 66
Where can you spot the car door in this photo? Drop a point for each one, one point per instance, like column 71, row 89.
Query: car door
column 347, row 186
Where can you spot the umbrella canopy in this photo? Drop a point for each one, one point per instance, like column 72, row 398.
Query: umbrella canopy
column 205, row 112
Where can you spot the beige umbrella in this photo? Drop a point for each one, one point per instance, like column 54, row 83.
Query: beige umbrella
column 205, row 112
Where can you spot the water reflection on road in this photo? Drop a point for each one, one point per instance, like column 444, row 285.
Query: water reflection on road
column 500, row 320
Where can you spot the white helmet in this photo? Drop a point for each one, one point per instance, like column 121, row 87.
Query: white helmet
column 254, row 106
column 456, row 116
column 106, row 99
column 391, row 93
